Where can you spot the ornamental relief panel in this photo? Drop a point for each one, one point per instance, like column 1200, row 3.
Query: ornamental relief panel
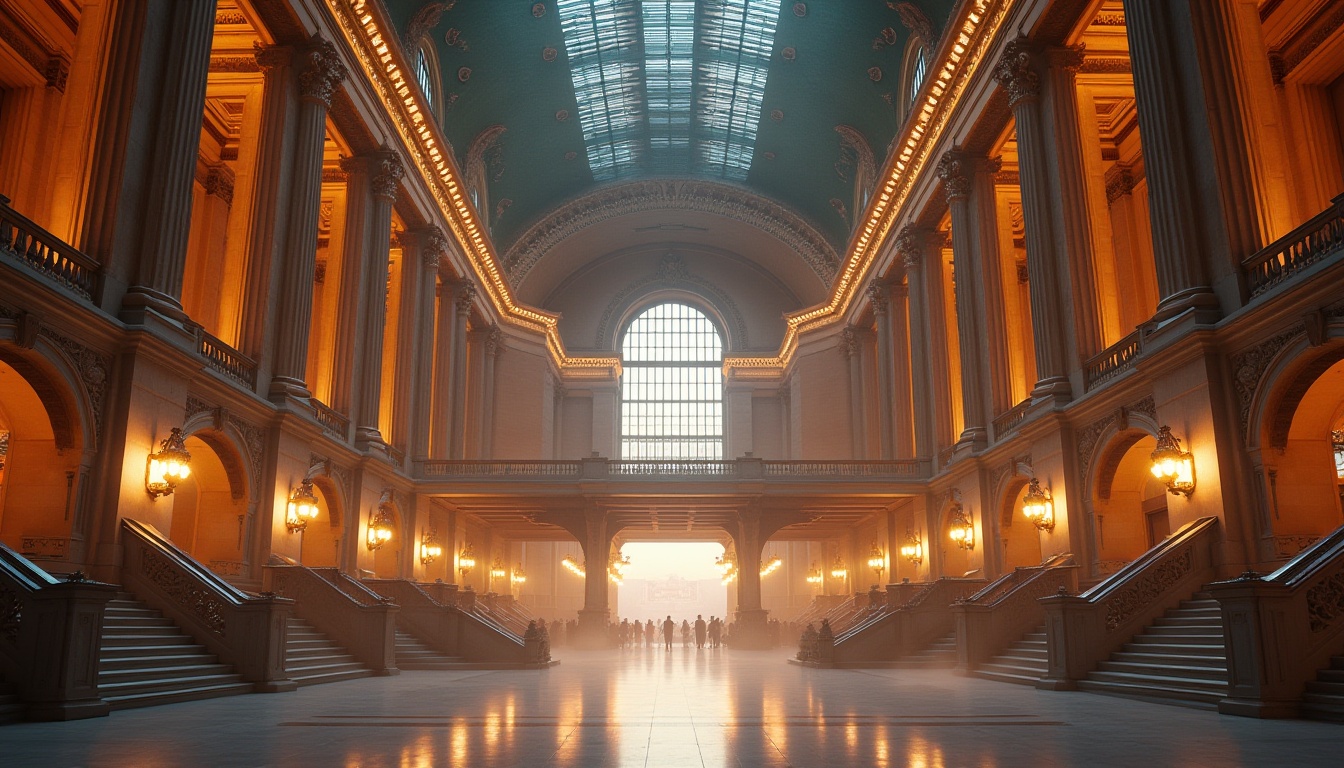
column 1248, row 368
column 202, row 604
column 1149, row 587
column 1325, row 602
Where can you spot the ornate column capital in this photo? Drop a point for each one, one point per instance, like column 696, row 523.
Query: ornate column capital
column 849, row 342
column 494, row 341
column 433, row 246
column 466, row 293
column 878, row 298
column 322, row 71
column 909, row 247
column 387, row 171
column 1120, row 181
column 1016, row 71
column 271, row 57
column 952, row 170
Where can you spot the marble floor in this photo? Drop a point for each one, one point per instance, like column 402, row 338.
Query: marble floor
column 681, row 709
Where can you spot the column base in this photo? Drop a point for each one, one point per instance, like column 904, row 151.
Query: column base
column 972, row 440
column 752, row 630
column 1199, row 298
column 592, row 631
column 1055, row 388
column 285, row 391
column 369, row 438
column 139, row 299
column 78, row 709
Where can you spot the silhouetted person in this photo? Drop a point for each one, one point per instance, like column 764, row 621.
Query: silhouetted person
column 669, row 627
column 685, row 633
column 699, row 631
column 649, row 632
column 715, row 631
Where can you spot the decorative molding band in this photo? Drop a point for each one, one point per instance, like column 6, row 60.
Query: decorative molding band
column 671, row 194
column 671, row 273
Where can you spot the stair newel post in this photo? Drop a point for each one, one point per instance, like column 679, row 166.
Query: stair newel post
column 62, row 650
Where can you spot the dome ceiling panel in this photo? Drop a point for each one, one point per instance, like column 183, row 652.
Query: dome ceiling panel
column 771, row 95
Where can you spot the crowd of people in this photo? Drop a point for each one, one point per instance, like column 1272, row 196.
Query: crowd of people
column 712, row 633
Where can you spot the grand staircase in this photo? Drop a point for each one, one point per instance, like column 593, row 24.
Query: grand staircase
column 312, row 658
column 1324, row 699
column 413, row 654
column 1023, row 662
column 940, row 654
column 146, row 660
column 1180, row 658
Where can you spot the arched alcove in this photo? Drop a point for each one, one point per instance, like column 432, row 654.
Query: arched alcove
column 209, row 508
column 1128, row 504
column 1019, row 537
column 325, row 535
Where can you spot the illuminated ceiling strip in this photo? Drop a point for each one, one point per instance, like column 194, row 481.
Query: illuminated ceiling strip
column 736, row 38
column 669, row 50
column 602, row 42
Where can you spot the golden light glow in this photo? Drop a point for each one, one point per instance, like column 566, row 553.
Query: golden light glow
column 380, row 528
column 771, row 565
column 962, row 529
column 913, row 548
column 877, row 560
column 169, row 466
column 573, row 566
column 838, row 569
column 430, row 549
column 1172, row 465
column 302, row 507
column 497, row 571
column 814, row 574
column 466, row 560
column 1038, row 507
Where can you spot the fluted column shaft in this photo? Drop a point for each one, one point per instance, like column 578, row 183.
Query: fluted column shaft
column 320, row 73
column 351, row 295
column 1155, row 46
column 373, row 318
column 494, row 344
column 457, row 372
column 421, row 406
column 1017, row 73
column 880, row 298
column 995, row 349
column 903, row 425
column 953, row 169
column 910, row 245
column 849, row 349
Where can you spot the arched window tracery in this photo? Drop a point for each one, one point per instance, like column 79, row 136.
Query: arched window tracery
column 672, row 385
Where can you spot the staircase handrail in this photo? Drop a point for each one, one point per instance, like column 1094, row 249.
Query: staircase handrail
column 349, row 586
column 366, row 631
column 449, row 629
column 1002, row 613
column 1171, row 547
column 1016, row 580
column 1305, row 565
column 49, row 629
column 242, row 629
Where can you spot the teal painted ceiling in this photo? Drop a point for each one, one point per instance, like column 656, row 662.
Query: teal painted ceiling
column 748, row 92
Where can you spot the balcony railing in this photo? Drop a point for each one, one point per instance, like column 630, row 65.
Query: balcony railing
column 46, row 253
column 672, row 468
column 331, row 421
column 1113, row 361
column 1009, row 419
column 735, row 469
column 226, row 359
column 897, row 467
column 500, row 468
column 1320, row 237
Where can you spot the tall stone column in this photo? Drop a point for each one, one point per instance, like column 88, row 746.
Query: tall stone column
column 1017, row 73
column 1158, row 51
column 995, row 346
column 952, row 169
column 419, row 406
column 593, row 616
column 384, row 182
column 910, row 247
column 902, row 399
column 879, row 297
column 494, row 344
column 751, row 630
column 457, row 374
column 849, row 349
column 441, row 398
column 350, row 307
column 320, row 74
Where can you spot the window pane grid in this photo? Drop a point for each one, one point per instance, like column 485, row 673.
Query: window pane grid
column 672, row 386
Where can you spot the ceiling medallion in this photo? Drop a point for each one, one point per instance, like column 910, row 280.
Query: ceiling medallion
column 839, row 207
column 789, row 53
column 562, row 116
column 538, row 10
column 570, row 155
column 777, row 115
column 800, row 9
column 548, row 54
column 768, row 155
column 875, row 74
column 464, row 74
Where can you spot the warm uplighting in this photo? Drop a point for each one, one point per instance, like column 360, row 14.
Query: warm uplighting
column 962, row 530
column 497, row 571
column 573, row 566
column 1037, row 506
column 430, row 549
column 1172, row 465
column 877, row 560
column 771, row 565
column 466, row 560
column 913, row 548
column 518, row 578
column 170, row 466
column 302, row 507
column 814, row 575
column 838, row 570
column 380, row 528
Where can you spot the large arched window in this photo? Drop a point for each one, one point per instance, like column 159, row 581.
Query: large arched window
column 672, row 385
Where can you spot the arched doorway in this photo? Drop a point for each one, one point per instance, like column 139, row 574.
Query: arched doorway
column 41, row 467
column 387, row 558
column 1302, row 451
column 959, row 536
column 209, row 515
column 1020, row 538
column 1129, row 505
column 323, row 538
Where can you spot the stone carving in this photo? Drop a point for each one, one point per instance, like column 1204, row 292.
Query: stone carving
column 433, row 246
column 11, row 613
column 45, row 546
column 219, row 182
column 1120, row 181
column 878, row 298
column 1144, row 406
column 93, row 369
column 181, row 590
column 1249, row 367
column 466, row 294
column 387, row 172
column 1129, row 601
column 323, row 71
column 269, row 57
column 916, row 21
column 1325, row 602
column 1088, row 437
column 1288, row 546
column 854, row 150
column 494, row 341
column 1016, row 73
column 849, row 343
column 234, row 64
column 952, row 170
column 908, row 246
column 196, row 405
column 254, row 440
column 423, row 21
column 671, row 194
column 672, row 273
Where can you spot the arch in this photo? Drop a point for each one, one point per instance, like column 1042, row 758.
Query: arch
column 59, row 386
column 914, row 72
column 671, row 282
column 475, row 169
column 956, row 561
column 324, row 538
column 210, row 517
column 229, row 446
column 1019, row 539
column 1126, row 505
column 425, row 58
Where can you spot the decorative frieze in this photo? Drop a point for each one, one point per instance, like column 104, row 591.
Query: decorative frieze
column 93, row 369
column 1148, row 588
column 1248, row 368
column 1325, row 602
column 164, row 574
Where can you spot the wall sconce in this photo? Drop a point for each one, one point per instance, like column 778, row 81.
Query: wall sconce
column 302, row 507
column 814, row 574
column 497, row 571
column 913, row 549
column 1172, row 465
column 466, row 560
column 838, row 569
column 380, row 528
column 1037, row 506
column 170, row 466
column 430, row 549
column 771, row 565
column 573, row 566
column 877, row 560
column 962, row 530
column 518, row 578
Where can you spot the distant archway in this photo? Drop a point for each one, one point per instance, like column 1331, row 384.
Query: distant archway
column 1129, row 505
column 1020, row 539
column 209, row 508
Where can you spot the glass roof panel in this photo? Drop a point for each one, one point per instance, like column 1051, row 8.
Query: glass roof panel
column 602, row 40
column 736, row 37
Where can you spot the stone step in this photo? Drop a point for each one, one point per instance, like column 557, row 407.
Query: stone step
column 1183, row 630
column 1326, row 688
column 1324, row 697
column 1006, row 674
column 326, row 659
column 1173, row 670
column 1169, row 681
column 1141, row 644
column 115, row 630
column 111, row 690
column 1149, row 691
column 312, row 658
column 145, row 661
column 331, row 675
column 1179, row 659
column 154, row 674
column 195, row 693
column 112, row 652
column 156, row 641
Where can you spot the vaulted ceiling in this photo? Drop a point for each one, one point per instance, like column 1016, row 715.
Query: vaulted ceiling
column 773, row 106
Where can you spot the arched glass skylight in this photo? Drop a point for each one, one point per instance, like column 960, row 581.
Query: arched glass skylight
column 425, row 78
column 672, row 385
column 917, row 75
